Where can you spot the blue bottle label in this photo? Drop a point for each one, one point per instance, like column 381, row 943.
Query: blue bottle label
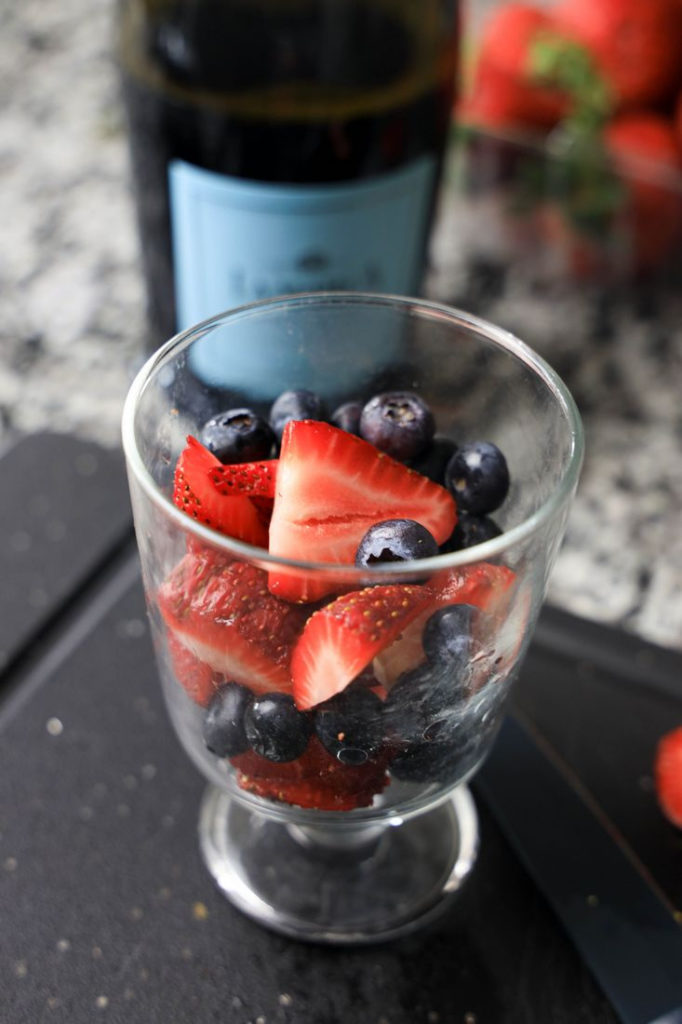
column 235, row 241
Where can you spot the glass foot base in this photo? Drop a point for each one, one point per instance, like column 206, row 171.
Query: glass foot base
column 342, row 883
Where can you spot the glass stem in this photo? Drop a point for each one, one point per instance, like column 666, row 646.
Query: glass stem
column 358, row 841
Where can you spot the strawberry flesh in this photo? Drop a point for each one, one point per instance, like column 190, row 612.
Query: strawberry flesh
column 195, row 493
column 483, row 585
column 196, row 677
column 223, row 613
column 314, row 780
column 341, row 639
column 331, row 487
column 253, row 479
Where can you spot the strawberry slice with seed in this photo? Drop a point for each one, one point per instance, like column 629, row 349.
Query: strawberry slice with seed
column 331, row 487
column 253, row 479
column 316, row 779
column 196, row 677
column 222, row 612
column 484, row 585
column 341, row 639
column 195, row 493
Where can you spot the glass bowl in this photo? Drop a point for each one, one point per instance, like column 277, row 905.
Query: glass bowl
column 340, row 844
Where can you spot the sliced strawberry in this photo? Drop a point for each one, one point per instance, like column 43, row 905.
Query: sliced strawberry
column 331, row 487
column 314, row 780
column 195, row 493
column 668, row 776
column 340, row 640
column 224, row 614
column 483, row 585
column 253, row 479
column 196, row 677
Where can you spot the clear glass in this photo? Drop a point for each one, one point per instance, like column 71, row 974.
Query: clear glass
column 408, row 835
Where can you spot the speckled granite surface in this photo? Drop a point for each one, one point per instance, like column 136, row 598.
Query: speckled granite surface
column 72, row 317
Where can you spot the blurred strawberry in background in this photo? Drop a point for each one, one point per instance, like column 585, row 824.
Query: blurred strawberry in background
column 646, row 154
column 637, row 44
column 506, row 93
column 593, row 91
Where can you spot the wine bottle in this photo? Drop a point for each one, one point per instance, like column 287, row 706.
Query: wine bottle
column 280, row 146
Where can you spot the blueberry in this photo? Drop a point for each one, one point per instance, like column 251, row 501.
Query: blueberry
column 395, row 540
column 295, row 405
column 399, row 423
column 434, row 459
column 223, row 729
column 276, row 729
column 478, row 477
column 471, row 530
column 433, row 761
column 446, row 637
column 366, row 680
column 238, row 435
column 408, row 705
column 349, row 726
column 426, row 702
column 347, row 417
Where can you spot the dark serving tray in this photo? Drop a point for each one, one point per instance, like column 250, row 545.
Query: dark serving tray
column 109, row 914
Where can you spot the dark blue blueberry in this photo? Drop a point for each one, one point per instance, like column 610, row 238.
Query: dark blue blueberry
column 478, row 477
column 426, row 702
column 433, row 760
column 471, row 530
column 399, row 423
column 366, row 680
column 238, row 435
column 347, row 417
column 223, row 729
column 434, row 459
column 446, row 638
column 350, row 726
column 276, row 729
column 295, row 405
column 395, row 540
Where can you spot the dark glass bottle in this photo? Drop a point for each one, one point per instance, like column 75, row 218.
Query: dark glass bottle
column 283, row 145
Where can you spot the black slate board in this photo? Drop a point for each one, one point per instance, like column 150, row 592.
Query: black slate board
column 65, row 510
column 108, row 912
column 602, row 699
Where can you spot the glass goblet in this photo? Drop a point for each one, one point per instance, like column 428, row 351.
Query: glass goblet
column 348, row 840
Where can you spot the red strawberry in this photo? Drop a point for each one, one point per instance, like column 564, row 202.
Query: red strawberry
column 314, row 780
column 195, row 493
column 254, row 479
column 341, row 639
column 331, row 487
column 636, row 43
column 483, row 585
column 647, row 155
column 641, row 225
column 195, row 676
column 224, row 614
column 668, row 776
column 505, row 92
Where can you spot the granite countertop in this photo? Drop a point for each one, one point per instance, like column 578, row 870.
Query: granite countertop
column 72, row 324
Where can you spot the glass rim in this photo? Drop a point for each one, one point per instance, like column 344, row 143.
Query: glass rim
column 388, row 571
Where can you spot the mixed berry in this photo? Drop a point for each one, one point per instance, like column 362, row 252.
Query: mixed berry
column 315, row 689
